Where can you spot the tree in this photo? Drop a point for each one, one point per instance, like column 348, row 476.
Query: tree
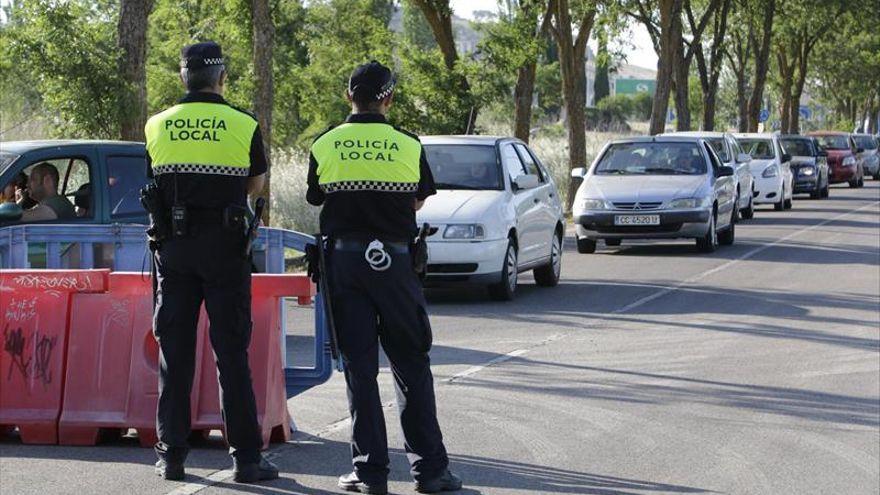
column 739, row 51
column 132, row 60
column 263, row 44
column 684, row 52
column 416, row 29
column 767, row 11
column 709, row 73
column 438, row 13
column 802, row 24
column 571, row 26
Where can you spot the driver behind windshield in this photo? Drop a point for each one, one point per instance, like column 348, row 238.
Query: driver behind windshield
column 43, row 188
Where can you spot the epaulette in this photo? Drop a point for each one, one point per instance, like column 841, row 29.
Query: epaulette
column 246, row 112
column 404, row 131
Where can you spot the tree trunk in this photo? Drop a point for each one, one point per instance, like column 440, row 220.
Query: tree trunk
column 681, row 84
column 523, row 93
column 762, row 65
column 710, row 74
column 438, row 13
column 670, row 10
column 132, row 31
column 572, row 63
column 264, row 94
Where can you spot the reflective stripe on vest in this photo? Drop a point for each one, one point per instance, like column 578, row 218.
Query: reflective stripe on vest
column 367, row 157
column 200, row 138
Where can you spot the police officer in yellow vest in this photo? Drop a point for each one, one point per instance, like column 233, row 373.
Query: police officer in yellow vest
column 371, row 178
column 206, row 157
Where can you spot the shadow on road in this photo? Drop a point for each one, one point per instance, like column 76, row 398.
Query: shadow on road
column 616, row 385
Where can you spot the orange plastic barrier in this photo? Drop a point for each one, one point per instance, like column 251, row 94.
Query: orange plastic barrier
column 34, row 306
column 112, row 379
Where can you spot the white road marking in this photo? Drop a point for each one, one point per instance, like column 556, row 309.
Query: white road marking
column 342, row 424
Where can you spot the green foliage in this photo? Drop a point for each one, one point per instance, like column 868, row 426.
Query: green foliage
column 66, row 53
column 290, row 57
column 416, row 30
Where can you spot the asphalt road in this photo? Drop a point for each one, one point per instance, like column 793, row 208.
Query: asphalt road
column 649, row 369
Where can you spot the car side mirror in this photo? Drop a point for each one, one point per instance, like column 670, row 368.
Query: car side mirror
column 10, row 212
column 822, row 152
column 786, row 157
column 743, row 158
column 525, row 181
column 724, row 171
column 860, row 150
column 578, row 173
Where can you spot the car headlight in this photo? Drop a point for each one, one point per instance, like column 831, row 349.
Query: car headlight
column 849, row 161
column 771, row 171
column 595, row 204
column 464, row 231
column 688, row 202
column 808, row 171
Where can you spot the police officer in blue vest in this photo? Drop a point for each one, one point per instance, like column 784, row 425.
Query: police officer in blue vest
column 370, row 178
column 206, row 157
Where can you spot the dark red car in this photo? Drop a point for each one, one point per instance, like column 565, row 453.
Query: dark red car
column 843, row 165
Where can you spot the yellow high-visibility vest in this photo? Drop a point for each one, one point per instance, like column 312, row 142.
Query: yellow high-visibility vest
column 367, row 157
column 197, row 137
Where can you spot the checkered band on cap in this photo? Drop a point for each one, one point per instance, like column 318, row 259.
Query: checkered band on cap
column 384, row 94
column 198, row 168
column 369, row 185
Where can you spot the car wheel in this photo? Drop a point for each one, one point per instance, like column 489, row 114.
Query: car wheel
column 548, row 275
column 749, row 212
column 726, row 237
column 613, row 242
column 586, row 246
column 709, row 242
column 861, row 178
column 780, row 205
column 827, row 190
column 505, row 290
column 877, row 174
column 854, row 183
column 788, row 202
column 817, row 194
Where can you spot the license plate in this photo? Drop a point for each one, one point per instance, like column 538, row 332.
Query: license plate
column 637, row 220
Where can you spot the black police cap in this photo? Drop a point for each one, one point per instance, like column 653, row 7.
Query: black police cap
column 373, row 79
column 201, row 55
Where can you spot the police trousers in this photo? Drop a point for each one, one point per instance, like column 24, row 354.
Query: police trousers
column 388, row 307
column 206, row 266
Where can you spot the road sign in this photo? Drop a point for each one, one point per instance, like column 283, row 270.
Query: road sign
column 805, row 112
column 764, row 115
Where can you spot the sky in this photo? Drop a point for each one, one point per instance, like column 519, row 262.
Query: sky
column 640, row 53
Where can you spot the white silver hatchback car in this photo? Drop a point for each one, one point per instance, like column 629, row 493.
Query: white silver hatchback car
column 497, row 214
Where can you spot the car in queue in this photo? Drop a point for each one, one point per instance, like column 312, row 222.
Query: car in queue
column 842, row 157
column 118, row 166
column 771, row 168
column 809, row 165
column 662, row 187
column 732, row 155
column 870, row 155
column 497, row 214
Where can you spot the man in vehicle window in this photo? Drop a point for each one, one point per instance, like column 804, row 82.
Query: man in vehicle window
column 206, row 157
column 43, row 188
column 371, row 178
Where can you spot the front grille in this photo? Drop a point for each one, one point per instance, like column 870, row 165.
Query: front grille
column 452, row 268
column 638, row 229
column 641, row 205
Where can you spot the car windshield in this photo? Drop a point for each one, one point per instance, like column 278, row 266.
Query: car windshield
column 464, row 166
column 866, row 142
column 759, row 149
column 797, row 147
column 718, row 146
column 652, row 158
column 833, row 142
column 6, row 159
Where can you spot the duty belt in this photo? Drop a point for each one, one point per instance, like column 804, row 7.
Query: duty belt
column 361, row 246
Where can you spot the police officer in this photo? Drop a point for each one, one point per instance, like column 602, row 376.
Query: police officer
column 206, row 158
column 371, row 178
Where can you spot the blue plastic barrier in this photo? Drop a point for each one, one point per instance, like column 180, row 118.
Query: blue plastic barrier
column 123, row 247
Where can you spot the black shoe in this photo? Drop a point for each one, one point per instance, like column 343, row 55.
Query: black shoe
column 448, row 482
column 170, row 470
column 351, row 483
column 254, row 471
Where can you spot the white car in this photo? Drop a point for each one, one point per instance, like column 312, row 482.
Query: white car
column 732, row 155
column 497, row 213
column 771, row 168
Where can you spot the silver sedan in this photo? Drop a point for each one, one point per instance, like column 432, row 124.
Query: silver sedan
column 656, row 188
